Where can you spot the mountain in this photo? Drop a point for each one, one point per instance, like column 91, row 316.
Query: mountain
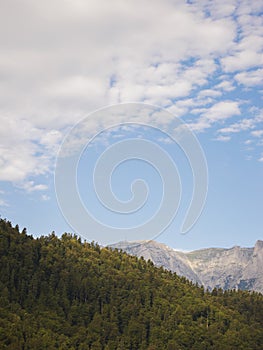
column 61, row 293
column 234, row 268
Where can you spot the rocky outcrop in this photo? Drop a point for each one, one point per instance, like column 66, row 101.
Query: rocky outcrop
column 234, row 268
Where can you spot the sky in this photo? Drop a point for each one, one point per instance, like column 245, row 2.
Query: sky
column 199, row 61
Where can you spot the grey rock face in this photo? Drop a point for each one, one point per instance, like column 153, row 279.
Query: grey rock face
column 234, row 268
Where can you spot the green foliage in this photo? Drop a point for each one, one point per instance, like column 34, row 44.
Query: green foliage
column 65, row 294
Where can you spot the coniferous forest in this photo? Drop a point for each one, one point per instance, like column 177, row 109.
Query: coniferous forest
column 61, row 293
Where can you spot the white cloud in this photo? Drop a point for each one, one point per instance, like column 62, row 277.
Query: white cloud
column 225, row 85
column 25, row 150
column 242, row 60
column 257, row 133
column 223, row 138
column 160, row 84
column 60, row 60
column 217, row 8
column 51, row 140
column 45, row 197
column 250, row 78
column 244, row 124
column 248, row 53
column 18, row 163
column 165, row 140
column 209, row 92
column 30, row 186
column 71, row 71
column 221, row 111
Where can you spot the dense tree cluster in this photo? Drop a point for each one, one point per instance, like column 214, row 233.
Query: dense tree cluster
column 61, row 293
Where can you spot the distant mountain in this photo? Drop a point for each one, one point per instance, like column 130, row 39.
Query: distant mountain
column 234, row 268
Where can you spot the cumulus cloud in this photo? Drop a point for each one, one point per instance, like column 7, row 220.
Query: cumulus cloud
column 31, row 186
column 247, row 51
column 244, row 124
column 222, row 110
column 223, row 138
column 250, row 78
column 24, row 149
column 252, row 125
column 209, row 92
column 225, row 85
column 219, row 112
column 248, row 54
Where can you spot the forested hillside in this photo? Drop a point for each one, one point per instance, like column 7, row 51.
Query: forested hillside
column 67, row 294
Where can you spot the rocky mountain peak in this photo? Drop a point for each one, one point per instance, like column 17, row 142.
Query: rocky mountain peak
column 233, row 268
column 258, row 246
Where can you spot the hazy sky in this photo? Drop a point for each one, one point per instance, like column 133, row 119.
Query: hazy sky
column 200, row 60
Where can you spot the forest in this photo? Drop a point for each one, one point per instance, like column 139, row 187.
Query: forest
column 65, row 293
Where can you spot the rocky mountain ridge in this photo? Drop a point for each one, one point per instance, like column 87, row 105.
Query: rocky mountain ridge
column 231, row 268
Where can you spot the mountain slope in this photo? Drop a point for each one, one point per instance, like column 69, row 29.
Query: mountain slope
column 160, row 255
column 64, row 294
column 234, row 268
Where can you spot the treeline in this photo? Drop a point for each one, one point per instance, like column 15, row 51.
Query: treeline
column 61, row 293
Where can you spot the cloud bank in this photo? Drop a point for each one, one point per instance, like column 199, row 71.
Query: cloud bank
column 60, row 60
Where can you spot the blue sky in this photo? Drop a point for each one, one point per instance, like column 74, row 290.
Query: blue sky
column 199, row 60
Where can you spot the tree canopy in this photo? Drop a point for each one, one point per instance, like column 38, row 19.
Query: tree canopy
column 61, row 293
